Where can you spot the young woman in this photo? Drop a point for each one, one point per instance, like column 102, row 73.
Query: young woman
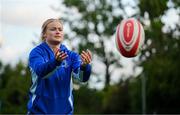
column 52, row 67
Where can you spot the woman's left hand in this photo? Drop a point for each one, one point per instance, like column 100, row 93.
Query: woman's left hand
column 86, row 57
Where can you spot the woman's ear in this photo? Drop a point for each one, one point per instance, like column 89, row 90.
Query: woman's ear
column 44, row 35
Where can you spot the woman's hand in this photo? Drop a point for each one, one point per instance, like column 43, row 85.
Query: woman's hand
column 60, row 55
column 86, row 57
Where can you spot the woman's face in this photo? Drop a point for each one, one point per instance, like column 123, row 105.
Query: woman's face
column 54, row 33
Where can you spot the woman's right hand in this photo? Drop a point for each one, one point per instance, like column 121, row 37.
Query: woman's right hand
column 60, row 55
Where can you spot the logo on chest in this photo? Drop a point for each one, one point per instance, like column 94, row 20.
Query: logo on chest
column 64, row 64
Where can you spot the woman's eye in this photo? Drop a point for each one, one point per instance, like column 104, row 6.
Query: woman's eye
column 59, row 29
column 53, row 29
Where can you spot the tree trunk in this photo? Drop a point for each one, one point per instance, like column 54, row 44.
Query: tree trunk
column 107, row 75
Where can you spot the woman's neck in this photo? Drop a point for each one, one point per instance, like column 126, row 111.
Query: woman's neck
column 53, row 46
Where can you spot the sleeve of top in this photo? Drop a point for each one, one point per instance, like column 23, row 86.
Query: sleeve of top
column 81, row 74
column 37, row 64
column 86, row 71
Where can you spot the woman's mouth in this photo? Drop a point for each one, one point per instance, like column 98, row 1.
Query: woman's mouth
column 57, row 36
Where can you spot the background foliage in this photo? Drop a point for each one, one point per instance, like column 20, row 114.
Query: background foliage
column 97, row 20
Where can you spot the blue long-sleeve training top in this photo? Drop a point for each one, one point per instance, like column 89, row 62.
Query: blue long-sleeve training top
column 51, row 89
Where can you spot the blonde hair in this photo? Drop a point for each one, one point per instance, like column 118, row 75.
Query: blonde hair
column 44, row 26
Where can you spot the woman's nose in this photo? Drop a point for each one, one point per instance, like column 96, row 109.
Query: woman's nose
column 57, row 31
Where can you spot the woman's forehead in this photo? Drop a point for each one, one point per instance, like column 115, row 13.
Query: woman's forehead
column 54, row 24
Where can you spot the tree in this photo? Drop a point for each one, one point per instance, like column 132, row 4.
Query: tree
column 161, row 59
column 117, row 99
column 88, row 101
column 94, row 27
column 14, row 88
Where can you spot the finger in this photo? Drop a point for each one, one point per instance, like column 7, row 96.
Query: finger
column 89, row 53
column 57, row 51
column 57, row 55
column 63, row 55
column 61, row 52
column 86, row 56
column 83, row 55
column 85, row 60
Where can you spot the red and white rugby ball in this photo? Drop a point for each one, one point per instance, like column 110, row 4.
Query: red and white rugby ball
column 129, row 37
